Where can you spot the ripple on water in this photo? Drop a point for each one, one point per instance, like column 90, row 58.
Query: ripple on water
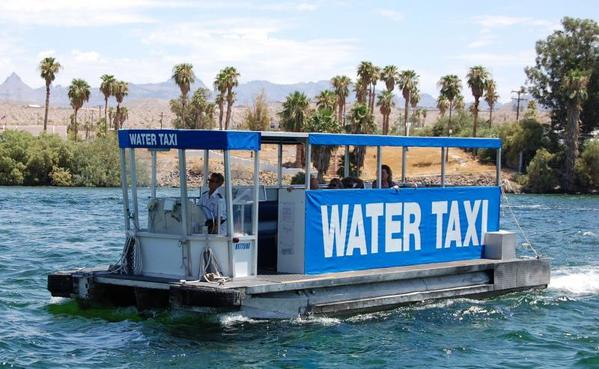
column 45, row 229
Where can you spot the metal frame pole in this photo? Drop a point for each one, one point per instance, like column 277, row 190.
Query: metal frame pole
column 185, row 246
column 256, row 208
column 379, row 167
column 229, row 201
column 153, row 153
column 183, row 189
column 133, row 173
column 403, row 164
column 443, row 166
column 498, row 168
column 206, row 167
column 125, row 188
column 280, row 165
column 308, row 164
column 346, row 162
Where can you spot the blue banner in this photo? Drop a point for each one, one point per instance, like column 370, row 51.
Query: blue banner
column 366, row 229
column 189, row 139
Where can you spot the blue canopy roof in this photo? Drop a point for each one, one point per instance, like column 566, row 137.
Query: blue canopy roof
column 189, row 139
column 414, row 141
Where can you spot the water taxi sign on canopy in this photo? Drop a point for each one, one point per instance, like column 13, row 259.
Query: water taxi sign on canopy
column 188, row 139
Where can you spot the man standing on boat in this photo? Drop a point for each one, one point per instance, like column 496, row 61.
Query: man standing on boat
column 209, row 202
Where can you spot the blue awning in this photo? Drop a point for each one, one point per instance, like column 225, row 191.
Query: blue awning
column 413, row 141
column 189, row 139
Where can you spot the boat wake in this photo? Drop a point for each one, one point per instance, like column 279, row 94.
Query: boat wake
column 578, row 281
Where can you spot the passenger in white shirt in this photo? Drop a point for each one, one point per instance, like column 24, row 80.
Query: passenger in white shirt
column 209, row 203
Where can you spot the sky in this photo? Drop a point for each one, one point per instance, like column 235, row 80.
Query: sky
column 279, row 41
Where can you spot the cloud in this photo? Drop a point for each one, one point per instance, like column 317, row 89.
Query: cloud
column 254, row 47
column 518, row 58
column 86, row 56
column 498, row 21
column 390, row 14
column 65, row 13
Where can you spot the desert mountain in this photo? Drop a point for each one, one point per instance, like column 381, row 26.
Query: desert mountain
column 13, row 89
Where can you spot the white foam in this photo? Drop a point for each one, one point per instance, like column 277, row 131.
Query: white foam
column 233, row 319
column 578, row 281
column 319, row 320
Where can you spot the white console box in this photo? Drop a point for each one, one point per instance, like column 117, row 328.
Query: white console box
column 500, row 245
column 291, row 232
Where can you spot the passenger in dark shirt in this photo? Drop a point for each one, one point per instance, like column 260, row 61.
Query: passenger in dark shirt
column 386, row 177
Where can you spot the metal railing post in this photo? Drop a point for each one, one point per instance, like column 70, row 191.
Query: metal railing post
column 308, row 164
column 404, row 151
column 346, row 162
column 153, row 154
column 379, row 169
column 498, row 168
column 280, row 165
column 125, row 188
column 133, row 173
column 443, row 166
column 255, row 209
column 206, row 168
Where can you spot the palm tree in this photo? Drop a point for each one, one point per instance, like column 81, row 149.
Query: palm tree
column 361, row 121
column 385, row 101
column 322, row 120
column 477, row 80
column 442, row 105
column 326, row 100
column 120, row 90
column 293, row 117
column 184, row 77
column 407, row 83
column 341, row 86
column 361, row 90
column 451, row 87
column 368, row 75
column 220, row 86
column 575, row 89
column 121, row 116
column 79, row 92
column 491, row 97
column 48, row 67
column 106, row 88
column 390, row 75
column 230, row 78
column 374, row 78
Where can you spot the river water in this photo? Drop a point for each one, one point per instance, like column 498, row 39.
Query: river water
column 48, row 229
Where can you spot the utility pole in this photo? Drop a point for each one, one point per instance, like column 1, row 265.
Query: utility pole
column 161, row 117
column 519, row 93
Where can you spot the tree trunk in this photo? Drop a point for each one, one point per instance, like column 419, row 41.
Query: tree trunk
column 220, row 115
column 405, row 118
column 490, row 116
column 47, row 102
column 571, row 139
column 449, row 123
column 117, row 117
column 183, row 108
column 475, row 116
column 228, row 117
column 75, row 128
column 106, row 111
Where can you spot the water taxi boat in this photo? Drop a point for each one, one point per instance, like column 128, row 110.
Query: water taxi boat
column 280, row 251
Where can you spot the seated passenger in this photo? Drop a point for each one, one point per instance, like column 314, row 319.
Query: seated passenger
column 314, row 184
column 209, row 202
column 352, row 182
column 335, row 184
column 386, row 177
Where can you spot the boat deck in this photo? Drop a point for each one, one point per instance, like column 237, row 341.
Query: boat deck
column 266, row 283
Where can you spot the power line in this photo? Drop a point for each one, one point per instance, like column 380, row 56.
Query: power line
column 520, row 92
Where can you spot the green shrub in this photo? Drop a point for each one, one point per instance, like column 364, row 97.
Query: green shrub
column 587, row 167
column 61, row 177
column 299, row 178
column 541, row 176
